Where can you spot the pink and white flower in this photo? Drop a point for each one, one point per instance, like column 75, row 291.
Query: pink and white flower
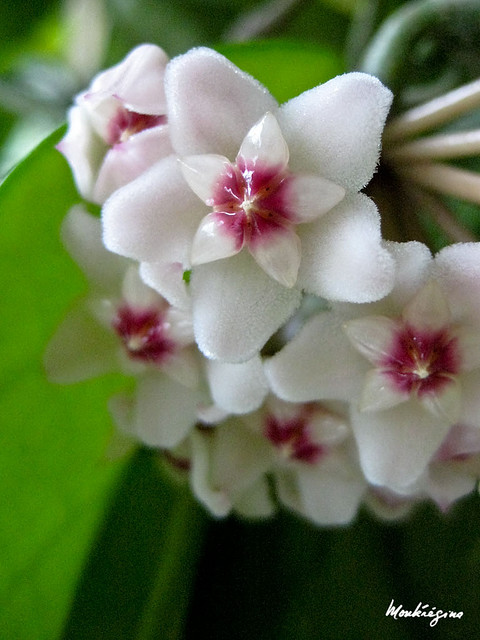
column 118, row 127
column 263, row 203
column 123, row 325
column 307, row 449
column 409, row 364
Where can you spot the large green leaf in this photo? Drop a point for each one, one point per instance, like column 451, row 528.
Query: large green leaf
column 54, row 475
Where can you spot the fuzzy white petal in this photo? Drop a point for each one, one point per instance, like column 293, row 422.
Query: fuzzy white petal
column 127, row 160
column 211, row 103
column 330, row 496
column 165, row 410
column 335, row 129
column 137, row 80
column 237, row 388
column 154, row 217
column 396, row 445
column 457, row 269
column 343, row 257
column 237, row 307
column 319, row 363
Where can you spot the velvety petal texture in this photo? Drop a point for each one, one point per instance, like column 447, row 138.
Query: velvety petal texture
column 237, row 307
column 335, row 129
column 211, row 103
column 343, row 257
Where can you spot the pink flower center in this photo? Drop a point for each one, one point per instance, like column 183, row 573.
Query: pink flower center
column 127, row 123
column 252, row 201
column 421, row 361
column 292, row 437
column 144, row 334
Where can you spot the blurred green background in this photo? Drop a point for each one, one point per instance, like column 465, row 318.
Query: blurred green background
column 93, row 548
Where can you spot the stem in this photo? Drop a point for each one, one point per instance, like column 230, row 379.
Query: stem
column 442, row 216
column 443, row 146
column 164, row 612
column 444, row 179
column 435, row 112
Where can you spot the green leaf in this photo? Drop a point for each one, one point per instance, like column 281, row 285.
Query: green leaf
column 286, row 68
column 138, row 579
column 52, row 439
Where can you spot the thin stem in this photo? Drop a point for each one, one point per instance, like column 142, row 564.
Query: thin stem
column 163, row 615
column 444, row 179
column 443, row 146
column 441, row 215
column 435, row 112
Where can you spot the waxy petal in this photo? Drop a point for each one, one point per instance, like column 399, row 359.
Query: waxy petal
column 83, row 149
column 428, row 309
column 457, row 269
column 468, row 341
column 330, row 495
column 165, row 410
column 311, row 196
column 137, row 80
column 265, row 145
column 82, row 237
column 343, row 257
column 335, row 129
column 127, row 160
column 318, row 363
column 202, row 172
column 379, row 394
column 446, row 404
column 396, row 445
column 279, row 256
column 211, row 103
column 80, row 349
column 212, row 241
column 168, row 280
column 154, row 217
column 372, row 336
column 237, row 307
column 237, row 388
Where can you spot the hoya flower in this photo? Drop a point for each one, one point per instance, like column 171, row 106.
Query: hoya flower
column 118, row 127
column 262, row 203
column 123, row 325
column 306, row 449
column 409, row 364
column 452, row 474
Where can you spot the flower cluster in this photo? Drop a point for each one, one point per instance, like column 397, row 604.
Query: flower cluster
column 282, row 352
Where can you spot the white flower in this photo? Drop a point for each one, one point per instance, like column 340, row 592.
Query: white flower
column 423, row 341
column 307, row 449
column 123, row 325
column 307, row 153
column 118, row 127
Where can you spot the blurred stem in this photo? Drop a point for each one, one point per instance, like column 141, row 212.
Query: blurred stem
column 164, row 612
